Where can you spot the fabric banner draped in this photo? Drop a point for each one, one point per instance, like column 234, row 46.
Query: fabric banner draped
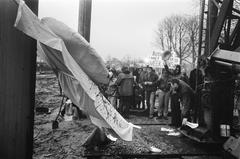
column 77, row 81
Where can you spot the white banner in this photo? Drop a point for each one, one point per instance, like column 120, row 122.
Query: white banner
column 29, row 23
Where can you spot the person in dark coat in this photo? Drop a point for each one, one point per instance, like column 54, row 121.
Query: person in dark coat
column 186, row 96
column 151, row 88
column 125, row 83
column 175, row 104
column 195, row 76
column 142, row 79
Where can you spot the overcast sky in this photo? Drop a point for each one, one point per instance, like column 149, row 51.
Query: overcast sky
column 119, row 27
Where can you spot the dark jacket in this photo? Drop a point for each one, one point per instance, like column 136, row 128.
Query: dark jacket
column 186, row 94
column 151, row 77
column 172, row 73
column 163, row 81
column 163, row 85
column 184, row 88
column 193, row 78
column 125, row 83
column 143, row 77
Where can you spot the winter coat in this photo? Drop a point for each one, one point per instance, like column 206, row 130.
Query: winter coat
column 125, row 83
column 153, row 78
column 186, row 95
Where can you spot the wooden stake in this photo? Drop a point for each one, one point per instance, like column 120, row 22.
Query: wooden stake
column 84, row 18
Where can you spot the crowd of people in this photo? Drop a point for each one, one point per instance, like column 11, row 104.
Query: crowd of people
column 139, row 88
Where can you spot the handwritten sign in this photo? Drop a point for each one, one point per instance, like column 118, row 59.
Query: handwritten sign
column 155, row 60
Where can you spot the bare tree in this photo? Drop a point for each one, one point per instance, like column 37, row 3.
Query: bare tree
column 179, row 33
column 172, row 35
column 113, row 62
column 192, row 27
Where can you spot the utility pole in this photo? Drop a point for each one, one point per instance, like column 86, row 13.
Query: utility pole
column 84, row 18
column 17, row 84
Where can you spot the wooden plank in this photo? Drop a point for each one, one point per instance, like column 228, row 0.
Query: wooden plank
column 219, row 24
column 84, row 18
column 17, row 84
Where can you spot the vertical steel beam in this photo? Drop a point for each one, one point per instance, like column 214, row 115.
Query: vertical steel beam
column 236, row 42
column 233, row 38
column 17, row 84
column 211, row 19
column 227, row 38
column 84, row 18
column 224, row 11
column 201, row 18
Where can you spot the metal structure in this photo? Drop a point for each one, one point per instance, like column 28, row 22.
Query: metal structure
column 219, row 28
column 84, row 18
column 219, row 25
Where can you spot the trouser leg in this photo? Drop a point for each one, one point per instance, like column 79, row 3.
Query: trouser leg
column 186, row 103
column 166, row 103
column 148, row 94
column 121, row 105
column 160, row 101
column 126, row 105
column 175, row 110
column 152, row 103
column 143, row 100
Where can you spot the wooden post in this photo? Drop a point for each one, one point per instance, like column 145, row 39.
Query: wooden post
column 17, row 84
column 84, row 18
column 97, row 137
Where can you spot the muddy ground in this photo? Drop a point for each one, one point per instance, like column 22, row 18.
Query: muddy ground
column 66, row 141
